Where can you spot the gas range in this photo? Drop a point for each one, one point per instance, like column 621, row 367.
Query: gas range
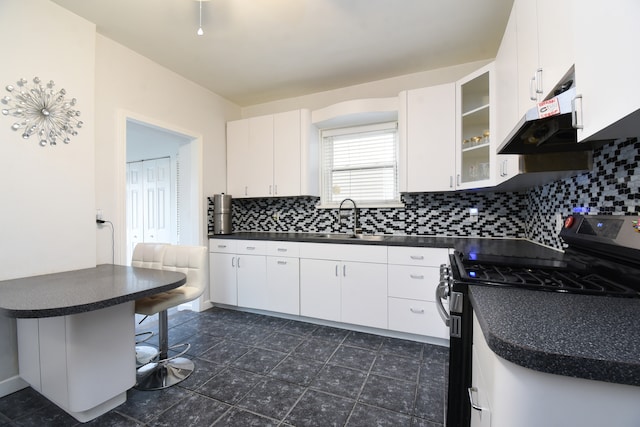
column 602, row 259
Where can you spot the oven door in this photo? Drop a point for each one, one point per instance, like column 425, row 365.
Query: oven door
column 460, row 322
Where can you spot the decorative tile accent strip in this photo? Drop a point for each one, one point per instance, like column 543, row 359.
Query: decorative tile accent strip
column 611, row 188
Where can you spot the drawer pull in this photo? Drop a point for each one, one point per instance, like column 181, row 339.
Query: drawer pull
column 282, row 249
column 417, row 257
column 251, row 248
column 417, row 310
column 474, row 405
column 222, row 246
column 417, row 276
column 282, row 262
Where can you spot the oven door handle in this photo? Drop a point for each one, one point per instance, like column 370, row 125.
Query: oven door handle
column 440, row 295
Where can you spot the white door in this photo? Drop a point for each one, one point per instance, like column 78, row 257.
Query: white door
column 135, row 206
column 149, row 192
column 157, row 200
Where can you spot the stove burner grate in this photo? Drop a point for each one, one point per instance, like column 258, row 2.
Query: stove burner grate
column 548, row 279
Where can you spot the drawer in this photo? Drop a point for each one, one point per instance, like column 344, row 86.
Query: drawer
column 432, row 257
column 413, row 282
column 344, row 252
column 227, row 246
column 283, row 249
column 252, row 247
column 416, row 317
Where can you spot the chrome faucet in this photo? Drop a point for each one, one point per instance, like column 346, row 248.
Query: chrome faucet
column 356, row 228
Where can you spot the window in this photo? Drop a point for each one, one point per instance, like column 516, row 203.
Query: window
column 360, row 163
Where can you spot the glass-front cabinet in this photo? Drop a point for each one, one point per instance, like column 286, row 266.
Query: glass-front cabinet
column 474, row 150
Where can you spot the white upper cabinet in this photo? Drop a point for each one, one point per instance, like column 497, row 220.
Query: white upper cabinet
column 606, row 64
column 272, row 155
column 259, row 158
column 475, row 148
column 427, row 138
column 545, row 49
column 237, row 149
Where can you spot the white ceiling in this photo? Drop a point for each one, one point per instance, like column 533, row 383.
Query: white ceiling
column 256, row 51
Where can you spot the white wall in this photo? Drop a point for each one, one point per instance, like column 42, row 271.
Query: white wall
column 47, row 216
column 127, row 82
column 376, row 89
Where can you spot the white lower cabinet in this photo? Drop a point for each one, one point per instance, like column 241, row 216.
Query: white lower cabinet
column 377, row 286
column 283, row 278
column 222, row 271
column 344, row 283
column 413, row 276
column 320, row 293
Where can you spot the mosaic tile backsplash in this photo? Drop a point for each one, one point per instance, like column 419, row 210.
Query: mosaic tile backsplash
column 612, row 187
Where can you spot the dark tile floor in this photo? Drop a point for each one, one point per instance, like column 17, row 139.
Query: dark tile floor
column 254, row 370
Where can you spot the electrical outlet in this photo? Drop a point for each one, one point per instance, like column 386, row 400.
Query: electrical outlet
column 99, row 214
column 559, row 222
column 473, row 214
column 276, row 216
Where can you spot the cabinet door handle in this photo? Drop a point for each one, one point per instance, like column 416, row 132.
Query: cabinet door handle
column 539, row 81
column 532, row 91
column 450, row 181
column 238, row 262
column 270, row 189
column 474, row 405
column 246, row 190
column 233, row 261
column 417, row 276
column 344, row 270
column 417, row 310
column 282, row 262
column 417, row 257
column 275, row 189
column 336, row 270
column 575, row 123
column 458, row 179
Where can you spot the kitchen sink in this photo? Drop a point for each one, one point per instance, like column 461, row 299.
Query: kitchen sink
column 339, row 236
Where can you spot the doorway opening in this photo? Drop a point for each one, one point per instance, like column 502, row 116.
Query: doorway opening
column 163, row 186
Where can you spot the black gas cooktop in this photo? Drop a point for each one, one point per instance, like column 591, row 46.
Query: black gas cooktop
column 550, row 279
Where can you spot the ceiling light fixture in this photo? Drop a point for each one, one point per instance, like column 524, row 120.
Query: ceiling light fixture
column 42, row 111
column 200, row 32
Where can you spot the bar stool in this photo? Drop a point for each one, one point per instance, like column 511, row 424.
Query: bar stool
column 147, row 255
column 170, row 370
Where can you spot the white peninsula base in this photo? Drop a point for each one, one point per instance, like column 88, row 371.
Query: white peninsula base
column 84, row 363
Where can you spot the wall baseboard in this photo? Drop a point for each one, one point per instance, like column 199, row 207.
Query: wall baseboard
column 11, row 385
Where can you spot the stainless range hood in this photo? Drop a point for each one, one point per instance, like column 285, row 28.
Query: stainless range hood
column 536, row 134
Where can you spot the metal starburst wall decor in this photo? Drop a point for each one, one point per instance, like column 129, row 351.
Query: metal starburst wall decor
column 41, row 110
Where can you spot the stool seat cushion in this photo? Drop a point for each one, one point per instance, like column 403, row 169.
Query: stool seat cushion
column 190, row 260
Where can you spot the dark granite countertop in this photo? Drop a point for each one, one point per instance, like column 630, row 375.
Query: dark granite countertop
column 581, row 336
column 78, row 291
column 496, row 246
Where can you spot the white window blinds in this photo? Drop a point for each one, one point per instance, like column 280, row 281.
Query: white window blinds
column 360, row 163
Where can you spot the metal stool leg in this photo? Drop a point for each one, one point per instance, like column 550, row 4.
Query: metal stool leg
column 167, row 371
